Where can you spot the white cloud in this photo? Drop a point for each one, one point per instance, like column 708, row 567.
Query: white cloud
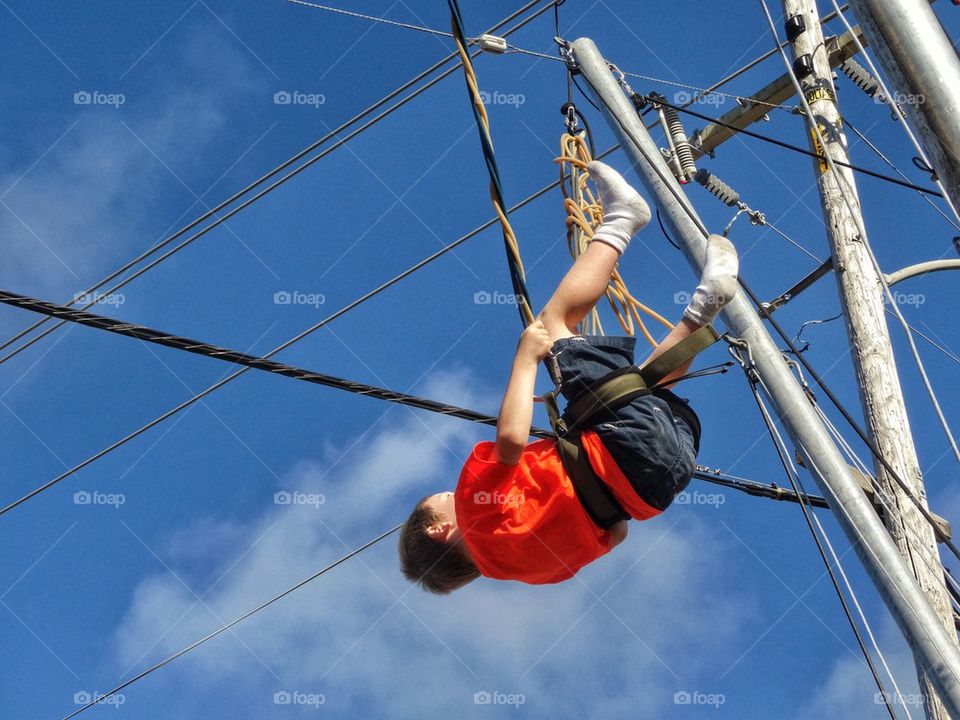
column 670, row 617
column 97, row 197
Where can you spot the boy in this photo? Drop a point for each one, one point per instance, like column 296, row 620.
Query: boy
column 514, row 514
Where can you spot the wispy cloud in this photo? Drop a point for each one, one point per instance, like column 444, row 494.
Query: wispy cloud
column 362, row 634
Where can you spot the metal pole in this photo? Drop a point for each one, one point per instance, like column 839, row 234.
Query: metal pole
column 861, row 295
column 924, row 69
column 853, row 510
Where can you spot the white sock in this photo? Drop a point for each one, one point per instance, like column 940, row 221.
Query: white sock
column 625, row 211
column 719, row 282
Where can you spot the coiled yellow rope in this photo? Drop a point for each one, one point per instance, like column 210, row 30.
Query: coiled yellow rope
column 584, row 216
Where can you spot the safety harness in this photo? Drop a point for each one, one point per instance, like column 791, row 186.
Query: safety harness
column 613, row 390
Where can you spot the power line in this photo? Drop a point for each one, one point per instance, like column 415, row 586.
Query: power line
column 753, row 380
column 858, row 220
column 899, row 172
column 232, row 623
column 792, row 147
column 342, row 311
column 91, row 291
column 373, row 18
column 143, row 333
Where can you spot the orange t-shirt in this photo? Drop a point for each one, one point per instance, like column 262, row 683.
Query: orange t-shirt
column 524, row 522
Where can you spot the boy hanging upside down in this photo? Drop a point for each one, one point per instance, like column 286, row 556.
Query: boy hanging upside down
column 515, row 514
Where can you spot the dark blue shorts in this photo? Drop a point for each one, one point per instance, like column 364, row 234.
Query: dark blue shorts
column 654, row 439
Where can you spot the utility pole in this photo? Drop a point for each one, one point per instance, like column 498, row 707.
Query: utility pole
column 862, row 297
column 933, row 646
column 924, row 69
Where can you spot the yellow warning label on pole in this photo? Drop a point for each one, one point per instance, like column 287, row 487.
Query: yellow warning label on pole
column 816, row 94
column 818, row 149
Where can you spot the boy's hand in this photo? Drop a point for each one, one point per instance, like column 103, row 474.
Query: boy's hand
column 535, row 342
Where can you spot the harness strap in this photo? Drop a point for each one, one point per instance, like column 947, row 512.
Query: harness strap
column 609, row 392
column 594, row 495
column 688, row 348
column 622, row 385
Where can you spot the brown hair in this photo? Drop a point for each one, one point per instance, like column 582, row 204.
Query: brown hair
column 436, row 566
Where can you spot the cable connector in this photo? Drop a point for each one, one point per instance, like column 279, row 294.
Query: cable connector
column 492, row 43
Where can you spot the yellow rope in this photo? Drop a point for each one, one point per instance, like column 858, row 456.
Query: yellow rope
column 509, row 237
column 584, row 216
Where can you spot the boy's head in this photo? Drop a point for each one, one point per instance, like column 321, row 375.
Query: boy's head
column 432, row 552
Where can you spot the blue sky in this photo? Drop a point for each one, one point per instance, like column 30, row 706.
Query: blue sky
column 726, row 599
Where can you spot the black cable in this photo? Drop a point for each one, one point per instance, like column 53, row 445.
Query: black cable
column 524, row 305
column 806, row 343
column 768, row 421
column 664, row 230
column 141, row 332
column 874, row 450
column 794, row 148
column 224, row 628
column 587, row 130
column 220, row 220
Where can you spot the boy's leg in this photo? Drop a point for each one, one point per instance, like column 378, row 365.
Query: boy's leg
column 625, row 213
column 717, row 287
column 580, row 289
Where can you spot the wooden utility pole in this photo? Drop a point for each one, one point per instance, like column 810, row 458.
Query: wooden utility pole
column 863, row 299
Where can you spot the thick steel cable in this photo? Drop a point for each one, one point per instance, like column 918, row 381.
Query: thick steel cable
column 784, row 456
column 183, row 651
column 146, row 334
column 514, row 261
column 343, row 310
column 236, row 196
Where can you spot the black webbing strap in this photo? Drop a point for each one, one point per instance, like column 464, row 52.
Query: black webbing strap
column 696, row 342
column 594, row 494
column 622, row 385
column 610, row 392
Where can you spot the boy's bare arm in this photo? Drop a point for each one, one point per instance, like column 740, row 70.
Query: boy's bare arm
column 516, row 411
